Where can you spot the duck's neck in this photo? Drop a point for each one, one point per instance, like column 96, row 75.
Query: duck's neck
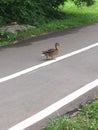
column 57, row 47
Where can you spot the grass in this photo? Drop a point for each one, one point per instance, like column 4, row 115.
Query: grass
column 71, row 17
column 86, row 119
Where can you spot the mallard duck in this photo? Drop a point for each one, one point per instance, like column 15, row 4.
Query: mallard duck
column 52, row 53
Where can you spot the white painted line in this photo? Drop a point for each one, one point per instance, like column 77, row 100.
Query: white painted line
column 17, row 74
column 54, row 107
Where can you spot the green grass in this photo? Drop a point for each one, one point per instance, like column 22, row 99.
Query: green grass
column 70, row 17
column 86, row 119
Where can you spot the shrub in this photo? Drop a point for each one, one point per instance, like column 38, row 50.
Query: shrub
column 34, row 12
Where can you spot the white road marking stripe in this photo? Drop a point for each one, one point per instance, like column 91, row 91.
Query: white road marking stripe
column 17, row 74
column 54, row 107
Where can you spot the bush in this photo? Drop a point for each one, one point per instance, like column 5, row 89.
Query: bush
column 34, row 12
column 1, row 20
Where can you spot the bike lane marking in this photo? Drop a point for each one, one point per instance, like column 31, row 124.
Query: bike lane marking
column 17, row 74
column 55, row 106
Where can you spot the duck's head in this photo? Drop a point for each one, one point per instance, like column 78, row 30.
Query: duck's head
column 57, row 45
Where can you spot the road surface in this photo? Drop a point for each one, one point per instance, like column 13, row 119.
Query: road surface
column 32, row 91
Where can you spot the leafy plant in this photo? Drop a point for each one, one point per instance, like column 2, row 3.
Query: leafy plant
column 86, row 119
column 34, row 12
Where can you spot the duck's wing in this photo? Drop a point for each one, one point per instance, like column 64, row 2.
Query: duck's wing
column 49, row 51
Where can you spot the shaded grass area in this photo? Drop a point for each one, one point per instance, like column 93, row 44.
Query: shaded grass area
column 85, row 119
column 70, row 16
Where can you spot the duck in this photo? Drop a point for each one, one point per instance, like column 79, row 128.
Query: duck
column 52, row 53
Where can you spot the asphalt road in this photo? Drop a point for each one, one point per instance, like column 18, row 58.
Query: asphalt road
column 26, row 95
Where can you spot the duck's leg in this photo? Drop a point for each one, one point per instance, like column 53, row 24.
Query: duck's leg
column 53, row 57
column 46, row 56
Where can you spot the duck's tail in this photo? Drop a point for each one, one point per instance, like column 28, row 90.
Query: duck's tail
column 42, row 53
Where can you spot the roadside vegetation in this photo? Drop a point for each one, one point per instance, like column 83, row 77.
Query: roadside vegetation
column 62, row 14
column 66, row 16
column 85, row 119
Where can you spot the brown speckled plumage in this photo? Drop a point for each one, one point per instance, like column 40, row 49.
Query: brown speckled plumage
column 52, row 53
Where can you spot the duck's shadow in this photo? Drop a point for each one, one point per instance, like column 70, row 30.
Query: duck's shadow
column 45, row 60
